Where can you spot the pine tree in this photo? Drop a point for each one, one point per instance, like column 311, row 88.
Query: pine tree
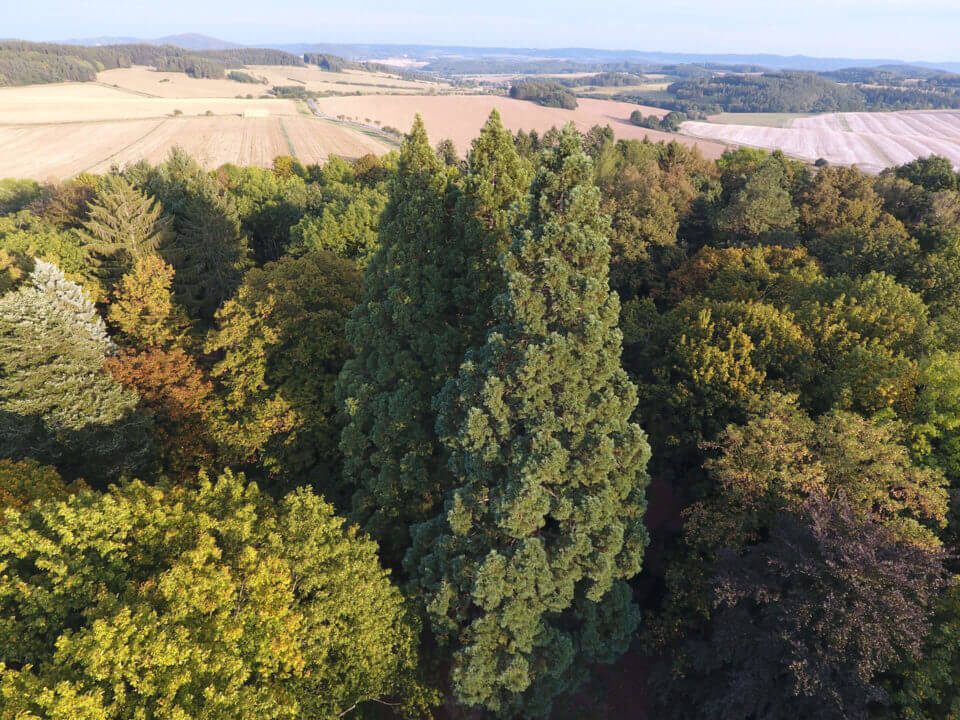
column 426, row 299
column 523, row 571
column 124, row 226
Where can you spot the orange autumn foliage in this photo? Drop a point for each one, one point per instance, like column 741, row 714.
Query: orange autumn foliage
column 174, row 389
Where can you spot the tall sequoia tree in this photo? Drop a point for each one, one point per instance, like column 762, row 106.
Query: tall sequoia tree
column 523, row 571
column 496, row 182
column 425, row 301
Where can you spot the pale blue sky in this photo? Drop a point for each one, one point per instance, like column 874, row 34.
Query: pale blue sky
column 904, row 29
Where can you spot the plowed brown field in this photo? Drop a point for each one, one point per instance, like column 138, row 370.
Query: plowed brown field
column 460, row 117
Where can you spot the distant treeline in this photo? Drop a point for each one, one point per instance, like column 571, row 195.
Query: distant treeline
column 241, row 77
column 197, row 67
column 26, row 63
column 298, row 92
column 668, row 123
column 800, row 93
column 605, row 79
column 520, row 66
column 544, row 92
column 335, row 63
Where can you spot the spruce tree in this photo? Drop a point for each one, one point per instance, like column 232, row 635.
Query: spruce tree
column 523, row 572
column 124, row 226
column 426, row 299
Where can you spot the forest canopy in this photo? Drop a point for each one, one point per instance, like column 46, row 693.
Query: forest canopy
column 570, row 427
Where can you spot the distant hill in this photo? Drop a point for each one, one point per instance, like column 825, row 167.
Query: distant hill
column 359, row 51
column 29, row 63
column 187, row 41
column 104, row 40
column 195, row 41
column 591, row 56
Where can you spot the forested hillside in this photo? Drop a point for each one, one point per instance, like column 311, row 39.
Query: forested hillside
column 572, row 428
column 795, row 92
column 544, row 92
column 26, row 63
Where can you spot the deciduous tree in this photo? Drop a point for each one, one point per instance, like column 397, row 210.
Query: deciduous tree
column 212, row 602
column 808, row 621
column 280, row 343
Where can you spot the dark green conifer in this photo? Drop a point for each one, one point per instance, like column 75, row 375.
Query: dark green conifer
column 208, row 252
column 124, row 226
column 405, row 337
column 427, row 297
column 57, row 404
column 523, row 572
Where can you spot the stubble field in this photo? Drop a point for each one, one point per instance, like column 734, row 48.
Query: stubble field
column 51, row 132
column 871, row 141
column 85, row 102
column 147, row 81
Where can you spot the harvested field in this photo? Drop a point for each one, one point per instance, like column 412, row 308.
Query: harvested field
column 460, row 117
column 58, row 151
column 611, row 90
column 760, row 119
column 55, row 152
column 145, row 80
column 871, row 141
column 84, row 102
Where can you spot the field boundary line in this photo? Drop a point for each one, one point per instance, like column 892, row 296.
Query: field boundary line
column 129, row 91
column 286, row 136
column 369, row 130
column 125, row 147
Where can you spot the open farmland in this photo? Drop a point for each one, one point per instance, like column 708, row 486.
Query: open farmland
column 147, row 81
column 762, row 119
column 460, row 117
column 871, row 141
column 612, row 90
column 84, row 102
column 55, row 131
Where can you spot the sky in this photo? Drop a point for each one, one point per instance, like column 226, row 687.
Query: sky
column 896, row 29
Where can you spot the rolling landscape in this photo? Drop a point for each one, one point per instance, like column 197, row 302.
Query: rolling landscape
column 373, row 362
column 317, row 104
